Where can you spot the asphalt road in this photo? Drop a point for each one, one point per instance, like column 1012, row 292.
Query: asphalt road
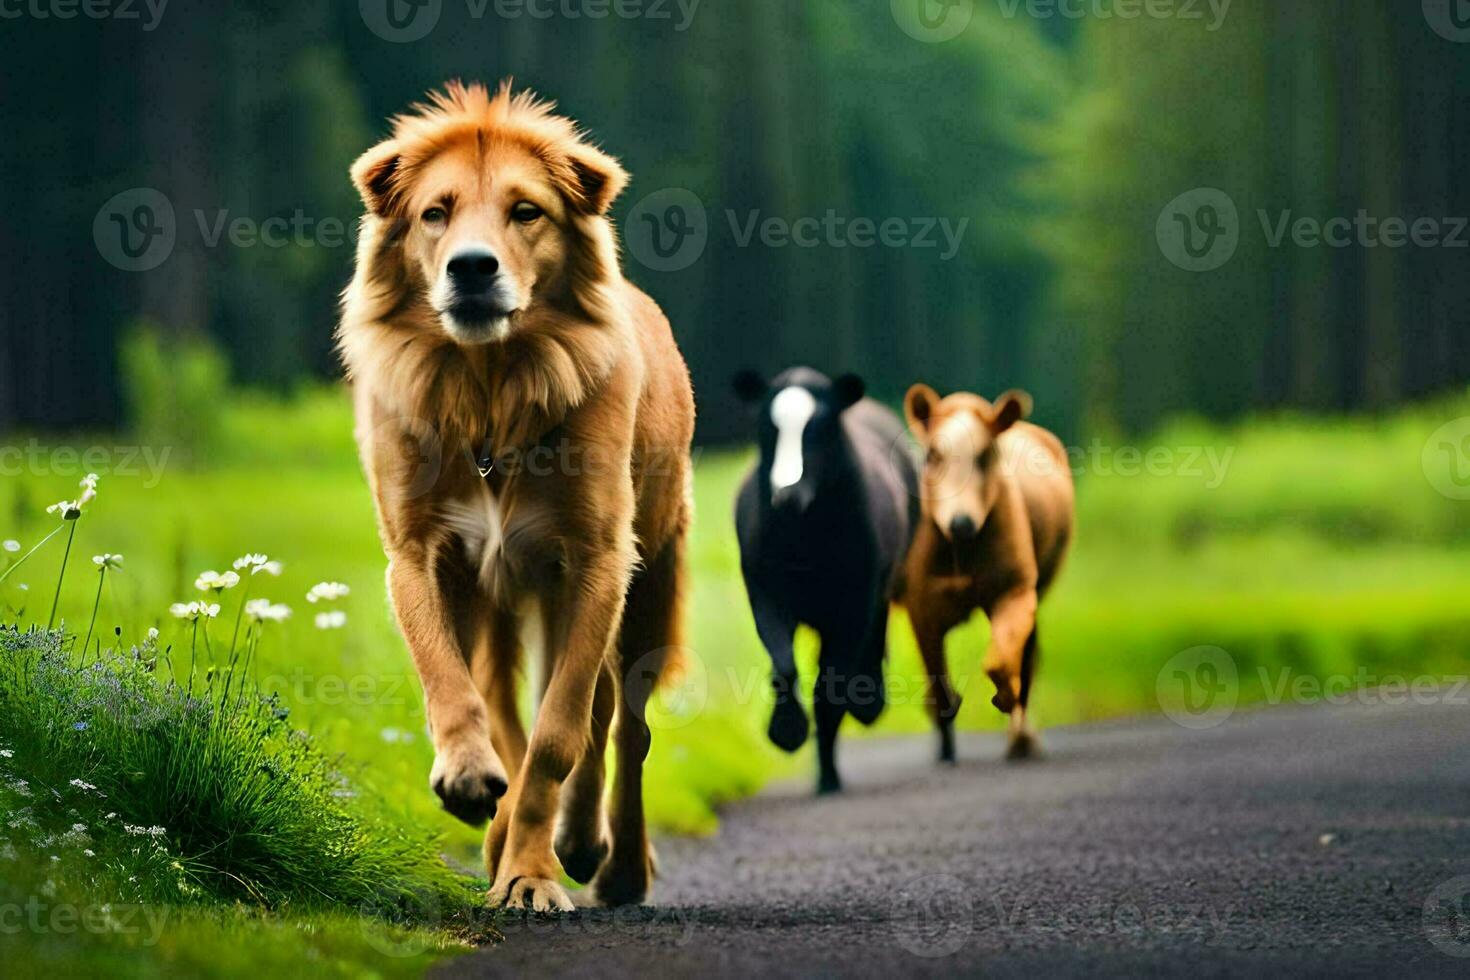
column 1327, row 840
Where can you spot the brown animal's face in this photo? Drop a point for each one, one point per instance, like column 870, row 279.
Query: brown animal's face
column 490, row 207
column 962, row 477
column 486, row 233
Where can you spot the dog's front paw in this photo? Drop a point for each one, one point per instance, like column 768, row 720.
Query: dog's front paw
column 530, row 894
column 469, row 779
column 580, row 859
column 789, row 725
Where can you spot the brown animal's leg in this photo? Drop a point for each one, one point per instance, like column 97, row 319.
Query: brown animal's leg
column 651, row 635
column 586, row 608
column 582, row 835
column 1024, row 744
column 494, row 666
column 1012, row 620
column 468, row 775
column 944, row 703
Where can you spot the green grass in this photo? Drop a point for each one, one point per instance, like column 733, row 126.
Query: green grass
column 1323, row 547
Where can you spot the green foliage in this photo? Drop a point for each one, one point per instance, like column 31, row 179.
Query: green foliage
column 176, row 389
column 197, row 792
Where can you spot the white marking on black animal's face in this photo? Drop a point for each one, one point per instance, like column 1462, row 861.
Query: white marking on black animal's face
column 791, row 409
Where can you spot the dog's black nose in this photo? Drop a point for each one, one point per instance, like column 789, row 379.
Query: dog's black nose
column 962, row 528
column 473, row 270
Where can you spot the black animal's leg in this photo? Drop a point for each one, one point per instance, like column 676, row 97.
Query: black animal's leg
column 866, row 696
column 828, row 706
column 777, row 630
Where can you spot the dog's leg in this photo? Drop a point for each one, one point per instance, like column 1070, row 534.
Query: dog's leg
column 586, row 607
column 650, row 635
column 1012, row 621
column 944, row 703
column 582, row 834
column 468, row 775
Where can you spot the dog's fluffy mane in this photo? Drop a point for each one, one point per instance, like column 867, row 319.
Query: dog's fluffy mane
column 515, row 390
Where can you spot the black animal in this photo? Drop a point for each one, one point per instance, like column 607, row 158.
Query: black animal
column 824, row 522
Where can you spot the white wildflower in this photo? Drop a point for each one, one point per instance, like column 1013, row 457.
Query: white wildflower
column 70, row 509
column 153, row 634
column 6, row 754
column 10, row 544
column 249, row 561
column 108, row 560
column 333, row 620
column 79, row 828
column 272, row 568
column 216, row 581
column 263, row 609
column 89, row 852
column 80, row 784
column 192, row 611
column 326, row 592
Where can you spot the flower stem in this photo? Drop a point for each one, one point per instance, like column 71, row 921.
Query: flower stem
column 239, row 614
column 101, row 577
column 56, row 600
column 21, row 560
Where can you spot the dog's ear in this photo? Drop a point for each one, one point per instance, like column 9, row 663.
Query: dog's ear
column 918, row 407
column 595, row 181
column 749, row 386
column 1010, row 408
column 848, row 390
column 375, row 176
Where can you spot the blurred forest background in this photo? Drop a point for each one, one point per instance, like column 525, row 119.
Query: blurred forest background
column 1060, row 139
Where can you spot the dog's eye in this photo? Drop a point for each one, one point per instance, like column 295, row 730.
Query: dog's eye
column 526, row 212
column 434, row 216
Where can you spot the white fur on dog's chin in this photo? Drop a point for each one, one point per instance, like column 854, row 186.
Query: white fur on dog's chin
column 481, row 332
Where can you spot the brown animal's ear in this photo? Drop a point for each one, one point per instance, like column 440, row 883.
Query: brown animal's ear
column 848, row 390
column 749, row 386
column 374, row 175
column 918, row 406
column 597, row 179
column 1010, row 408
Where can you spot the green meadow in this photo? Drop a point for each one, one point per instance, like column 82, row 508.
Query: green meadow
column 1300, row 547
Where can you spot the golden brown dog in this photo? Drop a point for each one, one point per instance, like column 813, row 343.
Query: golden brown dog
column 997, row 519
column 524, row 420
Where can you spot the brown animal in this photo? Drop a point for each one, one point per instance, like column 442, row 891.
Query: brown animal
column 524, row 420
column 997, row 519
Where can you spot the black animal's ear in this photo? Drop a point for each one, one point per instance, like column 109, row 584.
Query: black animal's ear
column 918, row 407
column 848, row 391
column 374, row 174
column 749, row 386
column 1010, row 408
